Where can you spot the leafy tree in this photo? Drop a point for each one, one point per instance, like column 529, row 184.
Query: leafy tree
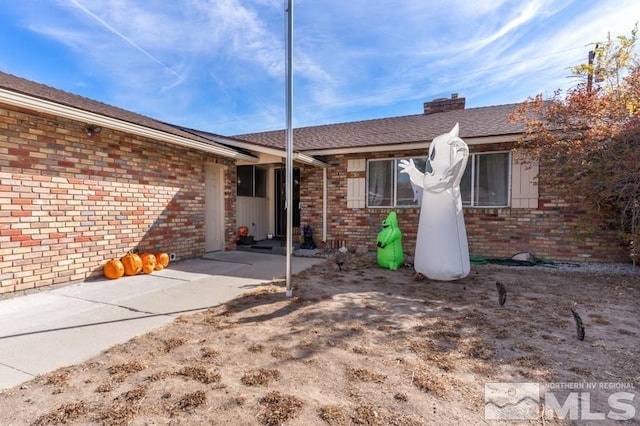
column 588, row 139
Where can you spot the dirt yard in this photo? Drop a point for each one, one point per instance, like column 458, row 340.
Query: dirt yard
column 361, row 346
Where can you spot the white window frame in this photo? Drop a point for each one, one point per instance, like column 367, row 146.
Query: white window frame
column 394, row 188
column 471, row 161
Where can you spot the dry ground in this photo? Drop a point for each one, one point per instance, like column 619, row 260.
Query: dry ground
column 359, row 346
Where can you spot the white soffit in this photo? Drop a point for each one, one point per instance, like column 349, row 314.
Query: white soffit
column 407, row 146
column 42, row 105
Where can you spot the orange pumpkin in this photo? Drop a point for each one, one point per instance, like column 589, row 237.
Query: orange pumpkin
column 243, row 231
column 113, row 269
column 162, row 259
column 148, row 262
column 132, row 264
column 159, row 266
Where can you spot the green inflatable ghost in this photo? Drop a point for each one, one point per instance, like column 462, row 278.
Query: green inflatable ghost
column 389, row 244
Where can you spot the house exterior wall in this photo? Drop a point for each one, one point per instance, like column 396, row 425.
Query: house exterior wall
column 548, row 228
column 69, row 202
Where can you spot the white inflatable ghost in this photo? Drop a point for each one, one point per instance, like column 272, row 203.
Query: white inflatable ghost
column 442, row 250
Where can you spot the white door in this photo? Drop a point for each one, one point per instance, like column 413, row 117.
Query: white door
column 214, row 207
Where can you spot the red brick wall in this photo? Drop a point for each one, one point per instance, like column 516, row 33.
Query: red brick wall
column 554, row 230
column 70, row 202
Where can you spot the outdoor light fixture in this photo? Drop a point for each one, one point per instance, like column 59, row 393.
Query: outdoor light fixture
column 92, row 130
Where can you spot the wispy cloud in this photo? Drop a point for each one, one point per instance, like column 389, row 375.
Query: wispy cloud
column 523, row 15
column 219, row 64
column 125, row 38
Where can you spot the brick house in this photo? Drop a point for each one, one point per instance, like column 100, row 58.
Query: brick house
column 82, row 182
column 356, row 183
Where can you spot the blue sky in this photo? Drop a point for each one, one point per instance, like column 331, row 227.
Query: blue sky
column 218, row 65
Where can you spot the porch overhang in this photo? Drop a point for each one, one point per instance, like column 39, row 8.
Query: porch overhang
column 307, row 159
column 300, row 157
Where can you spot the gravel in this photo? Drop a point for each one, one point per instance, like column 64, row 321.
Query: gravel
column 626, row 269
column 596, row 268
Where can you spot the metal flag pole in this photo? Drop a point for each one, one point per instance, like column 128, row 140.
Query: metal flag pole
column 289, row 160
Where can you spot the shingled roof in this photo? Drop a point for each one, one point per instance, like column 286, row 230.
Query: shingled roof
column 43, row 92
column 474, row 123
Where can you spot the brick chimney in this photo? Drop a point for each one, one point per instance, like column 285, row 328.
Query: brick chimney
column 444, row 104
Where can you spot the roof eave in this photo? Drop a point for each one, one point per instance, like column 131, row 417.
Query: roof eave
column 302, row 157
column 42, row 105
column 407, row 146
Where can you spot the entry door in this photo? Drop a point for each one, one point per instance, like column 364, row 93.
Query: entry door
column 214, row 207
column 280, row 201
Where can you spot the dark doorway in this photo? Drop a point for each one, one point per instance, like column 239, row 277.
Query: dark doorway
column 281, row 216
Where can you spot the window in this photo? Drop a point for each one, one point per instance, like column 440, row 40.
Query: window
column 380, row 183
column 485, row 182
column 387, row 187
column 252, row 181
